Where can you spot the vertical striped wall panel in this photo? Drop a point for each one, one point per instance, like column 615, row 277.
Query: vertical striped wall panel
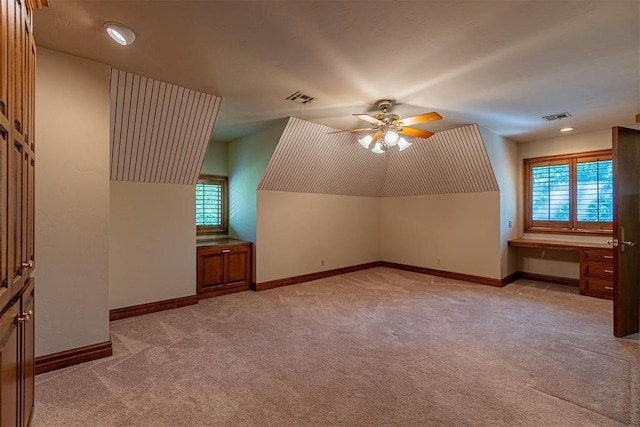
column 159, row 131
column 452, row 161
column 309, row 160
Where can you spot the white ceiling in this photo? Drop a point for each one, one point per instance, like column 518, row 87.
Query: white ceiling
column 502, row 64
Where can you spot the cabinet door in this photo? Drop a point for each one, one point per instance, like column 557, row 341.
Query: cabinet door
column 211, row 265
column 29, row 246
column 27, row 355
column 19, row 65
column 9, row 367
column 237, row 266
column 15, row 216
column 6, row 10
column 5, row 294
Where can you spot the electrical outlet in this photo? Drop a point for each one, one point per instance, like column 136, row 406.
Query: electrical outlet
column 510, row 224
column 321, row 263
column 438, row 261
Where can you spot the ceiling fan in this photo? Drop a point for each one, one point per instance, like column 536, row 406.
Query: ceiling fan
column 387, row 127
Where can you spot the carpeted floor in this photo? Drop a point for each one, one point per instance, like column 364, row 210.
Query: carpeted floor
column 372, row 348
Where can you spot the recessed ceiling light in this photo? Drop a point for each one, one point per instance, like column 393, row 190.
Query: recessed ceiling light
column 566, row 129
column 119, row 33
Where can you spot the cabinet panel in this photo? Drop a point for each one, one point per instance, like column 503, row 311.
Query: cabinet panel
column 30, row 225
column 5, row 64
column 19, row 75
column 9, row 366
column 237, row 267
column 27, row 356
column 212, row 269
column 15, row 213
column 4, row 237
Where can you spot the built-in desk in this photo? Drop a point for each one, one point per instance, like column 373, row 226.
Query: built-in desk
column 596, row 263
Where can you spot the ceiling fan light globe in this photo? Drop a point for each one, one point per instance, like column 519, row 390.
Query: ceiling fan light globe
column 377, row 148
column 366, row 141
column 391, row 138
column 403, row 143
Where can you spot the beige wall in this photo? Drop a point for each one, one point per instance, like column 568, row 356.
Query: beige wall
column 555, row 262
column 297, row 231
column 72, row 202
column 503, row 154
column 215, row 159
column 152, row 253
column 462, row 231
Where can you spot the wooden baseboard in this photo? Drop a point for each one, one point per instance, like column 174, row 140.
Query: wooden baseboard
column 217, row 291
column 441, row 273
column 548, row 279
column 510, row 278
column 152, row 307
column 313, row 276
column 75, row 356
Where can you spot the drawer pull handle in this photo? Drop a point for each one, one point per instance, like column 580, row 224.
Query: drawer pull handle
column 226, row 250
column 608, row 257
column 608, row 288
column 609, row 271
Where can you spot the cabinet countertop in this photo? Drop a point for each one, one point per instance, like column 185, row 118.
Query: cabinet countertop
column 552, row 244
column 219, row 242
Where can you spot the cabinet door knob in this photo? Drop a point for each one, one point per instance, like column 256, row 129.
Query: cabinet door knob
column 609, row 271
column 25, row 316
column 226, row 250
column 27, row 264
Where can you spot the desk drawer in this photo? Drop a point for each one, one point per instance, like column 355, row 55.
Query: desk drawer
column 598, row 284
column 597, row 255
column 599, row 268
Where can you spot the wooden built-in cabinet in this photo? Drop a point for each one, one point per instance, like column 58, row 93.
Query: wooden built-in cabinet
column 224, row 266
column 596, row 263
column 17, row 173
column 596, row 272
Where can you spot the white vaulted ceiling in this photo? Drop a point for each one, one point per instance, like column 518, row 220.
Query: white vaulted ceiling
column 309, row 159
column 501, row 64
column 159, row 131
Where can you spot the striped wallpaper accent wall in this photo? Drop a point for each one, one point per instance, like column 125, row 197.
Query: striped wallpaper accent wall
column 452, row 161
column 159, row 131
column 309, row 160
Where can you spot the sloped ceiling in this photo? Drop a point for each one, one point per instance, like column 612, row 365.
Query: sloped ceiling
column 452, row 161
column 159, row 131
column 310, row 160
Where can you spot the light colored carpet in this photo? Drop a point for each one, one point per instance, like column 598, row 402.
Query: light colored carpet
column 379, row 347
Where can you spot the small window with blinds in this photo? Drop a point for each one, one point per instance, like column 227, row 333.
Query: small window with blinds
column 569, row 193
column 211, row 205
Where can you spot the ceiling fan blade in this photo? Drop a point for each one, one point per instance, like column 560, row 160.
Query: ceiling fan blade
column 426, row 117
column 351, row 130
column 418, row 133
column 368, row 118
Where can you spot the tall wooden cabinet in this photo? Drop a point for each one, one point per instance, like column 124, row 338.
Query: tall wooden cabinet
column 17, row 173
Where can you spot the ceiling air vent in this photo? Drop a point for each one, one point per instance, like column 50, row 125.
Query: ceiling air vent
column 558, row 116
column 300, row 98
